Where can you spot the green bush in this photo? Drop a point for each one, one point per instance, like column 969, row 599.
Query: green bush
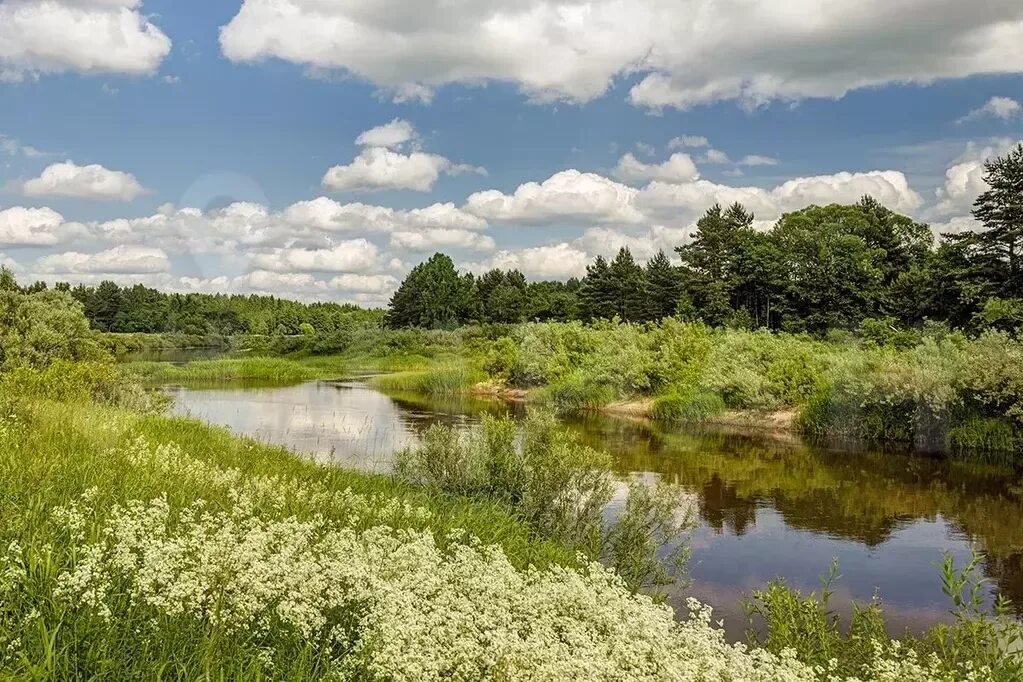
column 39, row 329
column 688, row 407
column 578, row 391
column 556, row 485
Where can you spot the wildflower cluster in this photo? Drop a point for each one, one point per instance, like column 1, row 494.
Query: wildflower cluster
column 393, row 604
column 276, row 493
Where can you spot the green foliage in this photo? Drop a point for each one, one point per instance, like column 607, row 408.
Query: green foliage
column 688, row 407
column 235, row 369
column 782, row 618
column 40, row 328
column 444, row 379
column 139, row 309
column 652, row 520
column 432, row 296
column 976, row 636
column 559, row 488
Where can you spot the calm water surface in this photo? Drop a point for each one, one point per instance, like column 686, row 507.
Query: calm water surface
column 766, row 507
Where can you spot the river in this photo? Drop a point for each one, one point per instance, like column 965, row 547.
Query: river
column 766, row 506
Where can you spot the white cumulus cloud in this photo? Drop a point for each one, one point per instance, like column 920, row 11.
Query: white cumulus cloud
column 20, row 226
column 355, row 255
column 685, row 50
column 83, row 182
column 964, row 178
column 90, row 37
column 570, row 194
column 678, row 168
column 379, row 168
column 390, row 135
column 1004, row 108
column 125, row 260
column 440, row 238
column 554, row 261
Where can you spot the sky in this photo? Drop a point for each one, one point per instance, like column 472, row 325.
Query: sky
column 319, row 149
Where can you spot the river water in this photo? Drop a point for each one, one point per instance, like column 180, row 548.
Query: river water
column 766, row 506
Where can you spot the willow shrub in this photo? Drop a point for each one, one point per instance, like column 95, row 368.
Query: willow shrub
column 939, row 394
column 558, row 487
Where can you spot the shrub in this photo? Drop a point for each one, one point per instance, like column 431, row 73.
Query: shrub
column 39, row 329
column 556, row 485
column 688, row 407
column 782, row 619
column 578, row 391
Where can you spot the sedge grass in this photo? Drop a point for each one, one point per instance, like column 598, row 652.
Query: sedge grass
column 236, row 369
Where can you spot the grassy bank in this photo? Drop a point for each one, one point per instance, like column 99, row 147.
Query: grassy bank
column 235, row 369
column 932, row 390
column 936, row 391
column 136, row 546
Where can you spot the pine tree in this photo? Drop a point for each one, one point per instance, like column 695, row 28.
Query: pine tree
column 629, row 287
column 433, row 295
column 664, row 287
column 597, row 293
column 1000, row 209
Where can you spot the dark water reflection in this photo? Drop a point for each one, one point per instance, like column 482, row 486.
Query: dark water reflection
column 767, row 507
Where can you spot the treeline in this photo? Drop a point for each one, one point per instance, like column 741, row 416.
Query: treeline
column 140, row 309
column 817, row 269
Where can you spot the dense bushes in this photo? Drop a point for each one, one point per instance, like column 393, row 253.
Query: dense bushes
column 936, row 391
column 40, row 328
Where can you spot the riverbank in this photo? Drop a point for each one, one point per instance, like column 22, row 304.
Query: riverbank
column 136, row 542
column 942, row 393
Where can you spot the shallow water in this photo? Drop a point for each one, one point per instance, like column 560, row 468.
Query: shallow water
column 766, row 506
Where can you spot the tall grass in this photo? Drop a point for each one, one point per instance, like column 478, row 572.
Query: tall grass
column 444, row 379
column 557, row 486
column 236, row 369
column 784, row 619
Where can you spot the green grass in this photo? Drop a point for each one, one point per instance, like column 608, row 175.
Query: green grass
column 444, row 379
column 688, row 407
column 70, row 447
column 237, row 369
column 53, row 454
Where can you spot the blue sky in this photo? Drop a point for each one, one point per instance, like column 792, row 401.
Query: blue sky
column 147, row 142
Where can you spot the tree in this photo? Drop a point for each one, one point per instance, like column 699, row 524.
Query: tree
column 628, row 285
column 664, row 287
column 1000, row 209
column 597, row 298
column 553, row 301
column 501, row 296
column 40, row 328
column 712, row 261
column 433, row 295
column 7, row 281
column 103, row 305
column 833, row 274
